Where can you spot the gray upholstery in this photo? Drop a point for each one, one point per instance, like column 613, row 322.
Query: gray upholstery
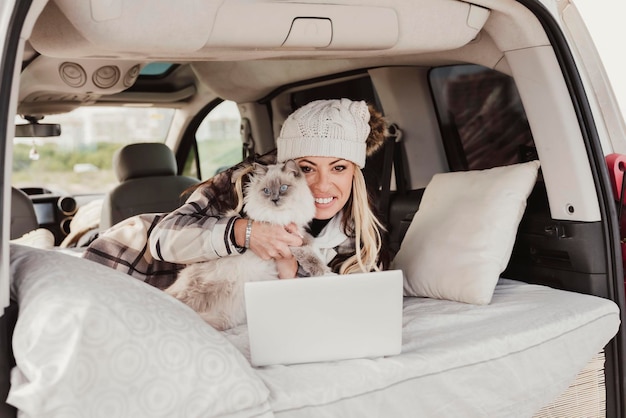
column 144, row 160
column 23, row 217
column 149, row 183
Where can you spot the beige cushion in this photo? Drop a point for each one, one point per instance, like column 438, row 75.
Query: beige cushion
column 461, row 238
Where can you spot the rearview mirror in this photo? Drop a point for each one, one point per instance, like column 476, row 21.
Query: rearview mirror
column 29, row 130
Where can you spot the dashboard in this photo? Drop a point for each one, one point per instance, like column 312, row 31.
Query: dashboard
column 54, row 212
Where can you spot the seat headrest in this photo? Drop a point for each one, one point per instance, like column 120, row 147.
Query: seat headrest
column 144, row 160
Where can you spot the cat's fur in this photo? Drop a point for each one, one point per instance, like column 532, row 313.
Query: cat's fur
column 214, row 289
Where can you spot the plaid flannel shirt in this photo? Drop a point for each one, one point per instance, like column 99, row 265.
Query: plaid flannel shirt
column 155, row 247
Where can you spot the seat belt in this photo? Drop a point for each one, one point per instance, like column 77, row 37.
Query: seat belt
column 246, row 136
column 393, row 162
column 398, row 161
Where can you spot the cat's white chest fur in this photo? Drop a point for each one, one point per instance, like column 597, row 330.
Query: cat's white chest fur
column 276, row 194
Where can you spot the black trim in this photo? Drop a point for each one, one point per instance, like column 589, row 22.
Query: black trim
column 197, row 159
column 616, row 385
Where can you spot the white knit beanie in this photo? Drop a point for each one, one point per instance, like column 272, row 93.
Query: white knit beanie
column 326, row 128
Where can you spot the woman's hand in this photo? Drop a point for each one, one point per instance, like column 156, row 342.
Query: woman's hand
column 287, row 267
column 270, row 241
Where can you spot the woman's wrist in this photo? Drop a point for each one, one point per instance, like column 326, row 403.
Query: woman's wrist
column 239, row 232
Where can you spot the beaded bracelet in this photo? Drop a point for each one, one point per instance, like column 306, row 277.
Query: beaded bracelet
column 246, row 243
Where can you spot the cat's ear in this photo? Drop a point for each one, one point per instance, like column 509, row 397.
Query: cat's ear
column 260, row 169
column 292, row 167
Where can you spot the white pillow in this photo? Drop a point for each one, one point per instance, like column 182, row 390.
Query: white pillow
column 91, row 341
column 461, row 238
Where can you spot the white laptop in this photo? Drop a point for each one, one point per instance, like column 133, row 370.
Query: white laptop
column 325, row 318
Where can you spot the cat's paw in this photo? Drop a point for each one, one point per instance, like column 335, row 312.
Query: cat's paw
column 309, row 261
column 317, row 269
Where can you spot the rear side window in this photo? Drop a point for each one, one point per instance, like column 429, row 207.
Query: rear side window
column 482, row 119
column 218, row 143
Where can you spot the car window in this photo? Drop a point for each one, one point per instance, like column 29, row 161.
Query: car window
column 481, row 116
column 79, row 161
column 218, row 143
column 360, row 88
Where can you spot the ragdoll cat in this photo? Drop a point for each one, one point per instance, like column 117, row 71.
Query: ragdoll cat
column 276, row 194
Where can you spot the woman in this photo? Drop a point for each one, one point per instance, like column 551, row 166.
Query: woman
column 330, row 140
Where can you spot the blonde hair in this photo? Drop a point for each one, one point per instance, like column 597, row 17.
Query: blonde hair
column 237, row 178
column 360, row 219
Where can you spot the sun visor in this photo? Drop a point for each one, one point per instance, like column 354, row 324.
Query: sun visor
column 197, row 28
column 240, row 24
column 122, row 28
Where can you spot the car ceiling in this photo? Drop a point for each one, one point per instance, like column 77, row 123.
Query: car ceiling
column 243, row 50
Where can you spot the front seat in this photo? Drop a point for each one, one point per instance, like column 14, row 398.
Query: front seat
column 23, row 217
column 149, row 183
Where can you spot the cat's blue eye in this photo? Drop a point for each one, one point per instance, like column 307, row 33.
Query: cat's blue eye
column 283, row 188
column 266, row 191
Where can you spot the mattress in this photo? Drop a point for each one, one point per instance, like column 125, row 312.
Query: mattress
column 90, row 340
column 506, row 359
column 584, row 398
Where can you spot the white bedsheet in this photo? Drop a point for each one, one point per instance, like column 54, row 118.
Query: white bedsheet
column 506, row 359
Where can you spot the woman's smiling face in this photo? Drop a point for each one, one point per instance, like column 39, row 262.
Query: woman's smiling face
column 330, row 181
